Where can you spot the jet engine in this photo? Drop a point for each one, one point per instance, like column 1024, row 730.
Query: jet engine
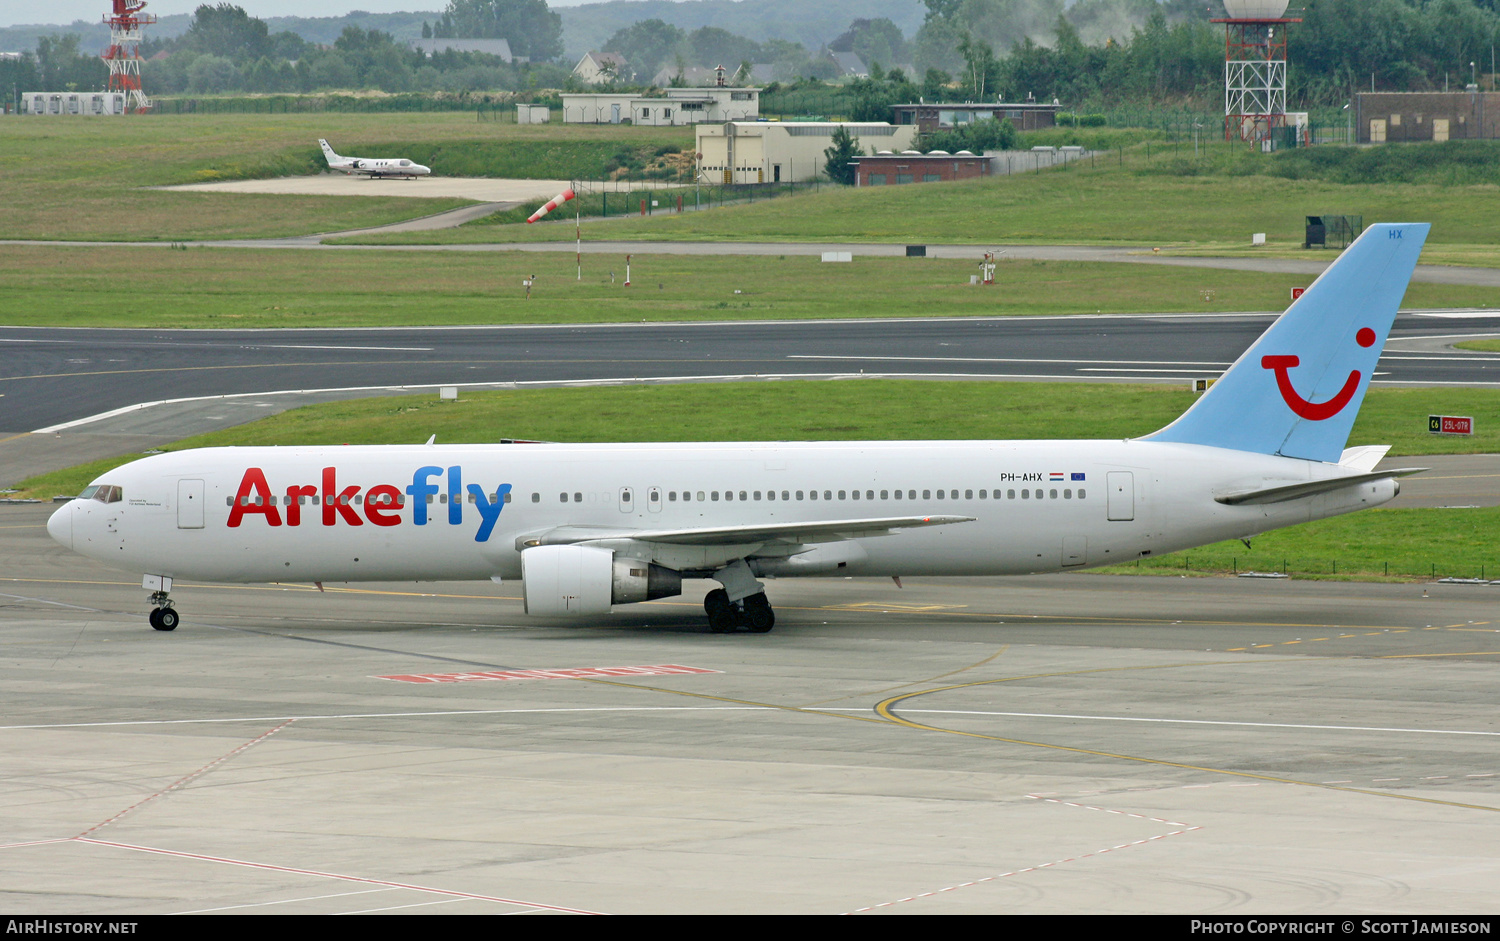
column 581, row 581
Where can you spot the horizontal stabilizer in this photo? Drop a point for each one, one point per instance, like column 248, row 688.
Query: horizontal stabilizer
column 1310, row 488
column 1363, row 458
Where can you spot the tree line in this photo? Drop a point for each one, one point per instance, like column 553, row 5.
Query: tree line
column 225, row 49
column 1101, row 53
column 1090, row 55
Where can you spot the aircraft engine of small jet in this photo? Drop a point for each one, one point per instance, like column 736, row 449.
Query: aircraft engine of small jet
column 583, row 581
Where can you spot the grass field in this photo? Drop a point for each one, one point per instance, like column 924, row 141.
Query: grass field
column 201, row 287
column 86, row 178
column 1375, row 544
column 1395, row 543
column 1100, row 203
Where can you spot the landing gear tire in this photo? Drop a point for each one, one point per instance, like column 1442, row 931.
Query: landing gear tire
column 758, row 614
column 723, row 617
column 163, row 619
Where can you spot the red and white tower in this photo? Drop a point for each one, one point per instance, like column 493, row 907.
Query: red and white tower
column 123, row 56
column 1254, row 68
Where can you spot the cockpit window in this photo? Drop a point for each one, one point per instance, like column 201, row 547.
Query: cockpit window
column 88, row 492
column 406, row 163
column 104, row 493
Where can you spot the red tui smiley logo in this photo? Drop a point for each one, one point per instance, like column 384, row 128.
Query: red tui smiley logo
column 1315, row 411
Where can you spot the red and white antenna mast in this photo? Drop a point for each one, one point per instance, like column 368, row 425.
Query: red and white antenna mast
column 123, row 56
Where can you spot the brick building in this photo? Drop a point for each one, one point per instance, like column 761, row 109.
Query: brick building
column 1388, row 117
column 888, row 169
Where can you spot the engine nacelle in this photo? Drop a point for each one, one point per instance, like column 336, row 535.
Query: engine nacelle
column 582, row 581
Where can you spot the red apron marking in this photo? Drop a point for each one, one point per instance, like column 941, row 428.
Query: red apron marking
column 661, row 669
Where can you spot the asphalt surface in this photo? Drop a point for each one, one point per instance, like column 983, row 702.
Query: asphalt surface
column 1046, row 745
column 482, row 189
column 51, row 377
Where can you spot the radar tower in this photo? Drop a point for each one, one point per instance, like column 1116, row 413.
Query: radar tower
column 1254, row 69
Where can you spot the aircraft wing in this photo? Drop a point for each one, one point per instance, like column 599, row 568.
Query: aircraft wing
column 805, row 532
column 1308, row 488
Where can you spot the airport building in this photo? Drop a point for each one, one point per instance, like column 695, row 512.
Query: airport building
column 1388, row 117
column 73, row 102
column 887, row 169
column 945, row 116
column 674, row 107
column 784, row 152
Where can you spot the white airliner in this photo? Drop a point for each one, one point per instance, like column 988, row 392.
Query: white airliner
column 372, row 168
column 585, row 527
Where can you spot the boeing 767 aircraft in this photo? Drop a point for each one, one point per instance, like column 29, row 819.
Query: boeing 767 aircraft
column 587, row 526
column 392, row 166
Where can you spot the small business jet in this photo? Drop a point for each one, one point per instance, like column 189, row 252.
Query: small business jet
column 586, row 526
column 372, row 168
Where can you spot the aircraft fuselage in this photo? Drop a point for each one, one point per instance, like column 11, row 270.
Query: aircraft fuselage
column 465, row 511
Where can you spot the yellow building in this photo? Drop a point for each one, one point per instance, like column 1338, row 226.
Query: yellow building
column 785, row 152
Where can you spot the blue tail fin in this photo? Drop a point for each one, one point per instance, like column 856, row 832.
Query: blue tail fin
column 1297, row 389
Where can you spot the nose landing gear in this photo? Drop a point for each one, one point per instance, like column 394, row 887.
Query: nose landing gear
column 163, row 619
column 163, row 616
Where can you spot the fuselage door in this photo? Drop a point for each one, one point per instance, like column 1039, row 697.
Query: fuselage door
column 627, row 500
column 653, row 499
column 1121, row 487
column 189, row 504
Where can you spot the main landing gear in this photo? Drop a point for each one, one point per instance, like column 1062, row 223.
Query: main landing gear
column 740, row 603
column 753, row 613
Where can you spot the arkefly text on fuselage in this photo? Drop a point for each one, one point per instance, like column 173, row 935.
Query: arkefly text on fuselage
column 373, row 167
column 586, row 527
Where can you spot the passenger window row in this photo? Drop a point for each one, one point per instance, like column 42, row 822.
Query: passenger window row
column 714, row 496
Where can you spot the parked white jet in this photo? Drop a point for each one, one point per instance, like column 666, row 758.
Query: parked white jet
column 586, row 527
column 372, row 167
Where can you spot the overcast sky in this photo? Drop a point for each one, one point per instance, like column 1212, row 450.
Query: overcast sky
column 20, row 12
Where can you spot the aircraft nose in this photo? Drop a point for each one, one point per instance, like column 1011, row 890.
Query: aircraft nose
column 60, row 526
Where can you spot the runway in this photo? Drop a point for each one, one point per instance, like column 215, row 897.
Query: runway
column 64, row 380
column 55, row 376
column 1057, row 744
